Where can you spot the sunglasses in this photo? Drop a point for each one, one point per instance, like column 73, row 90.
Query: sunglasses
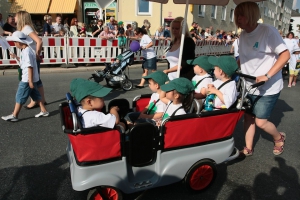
column 75, row 21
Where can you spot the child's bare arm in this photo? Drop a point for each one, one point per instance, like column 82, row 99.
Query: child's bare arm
column 30, row 75
column 114, row 111
column 162, row 97
column 213, row 90
column 201, row 95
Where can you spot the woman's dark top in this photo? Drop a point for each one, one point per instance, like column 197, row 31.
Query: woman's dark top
column 188, row 53
column 47, row 28
column 9, row 28
column 96, row 28
column 121, row 31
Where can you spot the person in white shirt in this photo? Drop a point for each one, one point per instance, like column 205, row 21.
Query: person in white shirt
column 25, row 25
column 90, row 95
column 59, row 26
column 295, row 70
column 262, row 54
column 291, row 44
column 178, row 94
column 148, row 53
column 28, row 84
column 235, row 48
column 223, row 88
column 155, row 108
column 201, row 78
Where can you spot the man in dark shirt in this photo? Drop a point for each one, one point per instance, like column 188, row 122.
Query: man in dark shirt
column 10, row 25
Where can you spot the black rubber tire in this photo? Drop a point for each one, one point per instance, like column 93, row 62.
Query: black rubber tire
column 113, row 193
column 200, row 176
column 126, row 84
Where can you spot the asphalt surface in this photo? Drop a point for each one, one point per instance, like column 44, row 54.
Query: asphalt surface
column 34, row 165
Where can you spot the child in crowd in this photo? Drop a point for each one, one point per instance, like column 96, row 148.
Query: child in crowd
column 201, row 78
column 223, row 88
column 90, row 95
column 30, row 77
column 294, row 69
column 121, row 34
column 83, row 30
column 178, row 94
column 155, row 109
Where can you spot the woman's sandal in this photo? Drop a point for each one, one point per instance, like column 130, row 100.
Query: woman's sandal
column 280, row 148
column 248, row 153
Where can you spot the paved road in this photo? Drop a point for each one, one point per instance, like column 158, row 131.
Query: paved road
column 33, row 163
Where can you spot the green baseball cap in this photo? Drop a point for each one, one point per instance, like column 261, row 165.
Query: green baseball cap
column 201, row 61
column 181, row 85
column 81, row 88
column 120, row 22
column 226, row 63
column 159, row 77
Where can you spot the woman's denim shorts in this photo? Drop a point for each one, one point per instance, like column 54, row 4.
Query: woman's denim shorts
column 149, row 64
column 262, row 106
column 24, row 91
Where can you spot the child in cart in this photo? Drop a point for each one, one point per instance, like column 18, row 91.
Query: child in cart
column 178, row 94
column 155, row 109
column 90, row 95
column 222, row 92
column 30, row 76
column 201, row 78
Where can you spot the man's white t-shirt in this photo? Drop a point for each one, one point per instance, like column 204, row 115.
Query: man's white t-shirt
column 159, row 106
column 147, row 53
column 57, row 27
column 229, row 94
column 171, row 108
column 27, row 30
column 203, row 84
column 95, row 118
column 28, row 59
column 259, row 51
column 236, row 47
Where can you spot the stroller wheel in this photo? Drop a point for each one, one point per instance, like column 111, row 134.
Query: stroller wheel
column 91, row 79
column 126, row 85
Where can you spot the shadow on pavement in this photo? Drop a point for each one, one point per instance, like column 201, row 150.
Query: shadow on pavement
column 281, row 183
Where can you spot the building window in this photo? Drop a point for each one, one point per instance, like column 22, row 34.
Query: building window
column 201, row 10
column 213, row 11
column 143, row 7
column 223, row 16
column 231, row 15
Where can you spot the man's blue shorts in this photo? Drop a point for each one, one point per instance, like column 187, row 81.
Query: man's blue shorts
column 262, row 106
column 24, row 91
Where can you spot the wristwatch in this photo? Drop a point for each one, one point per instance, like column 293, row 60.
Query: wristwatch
column 267, row 75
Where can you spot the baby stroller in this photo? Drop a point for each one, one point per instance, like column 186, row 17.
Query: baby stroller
column 114, row 73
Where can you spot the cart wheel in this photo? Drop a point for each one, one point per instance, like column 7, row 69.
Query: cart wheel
column 201, row 175
column 126, row 84
column 104, row 193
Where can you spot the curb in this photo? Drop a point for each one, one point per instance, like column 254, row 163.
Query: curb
column 51, row 70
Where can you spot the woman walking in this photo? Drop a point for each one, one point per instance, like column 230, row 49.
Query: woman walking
column 262, row 54
column 149, row 55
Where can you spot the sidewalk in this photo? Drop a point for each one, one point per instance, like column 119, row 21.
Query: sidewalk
column 12, row 70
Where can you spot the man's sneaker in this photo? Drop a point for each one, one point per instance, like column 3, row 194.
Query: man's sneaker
column 10, row 118
column 42, row 114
